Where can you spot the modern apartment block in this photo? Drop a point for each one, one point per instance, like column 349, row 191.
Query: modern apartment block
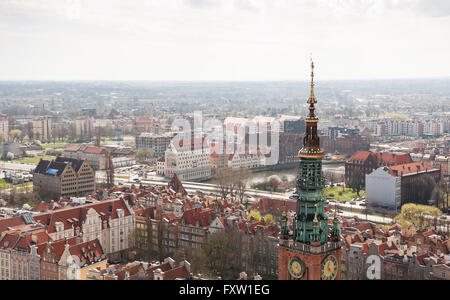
column 42, row 129
column 4, row 128
column 64, row 177
column 157, row 142
column 187, row 163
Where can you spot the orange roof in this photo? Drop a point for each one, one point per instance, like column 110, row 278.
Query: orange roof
column 93, row 149
column 72, row 148
column 405, row 169
column 178, row 272
column 381, row 158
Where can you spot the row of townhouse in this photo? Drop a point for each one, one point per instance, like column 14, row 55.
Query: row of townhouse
column 167, row 221
column 393, row 253
column 110, row 222
column 28, row 253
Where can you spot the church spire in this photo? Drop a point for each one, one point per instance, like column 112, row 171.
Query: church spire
column 311, row 141
column 312, row 98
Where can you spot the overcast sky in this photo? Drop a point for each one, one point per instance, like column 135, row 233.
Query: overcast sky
column 223, row 39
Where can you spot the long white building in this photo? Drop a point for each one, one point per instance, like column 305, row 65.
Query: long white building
column 188, row 163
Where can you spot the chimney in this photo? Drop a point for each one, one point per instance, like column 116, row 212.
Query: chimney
column 187, row 265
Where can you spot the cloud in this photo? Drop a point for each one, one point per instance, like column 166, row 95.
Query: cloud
column 203, row 3
column 434, row 8
column 222, row 39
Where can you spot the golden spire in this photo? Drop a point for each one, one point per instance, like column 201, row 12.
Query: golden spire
column 312, row 97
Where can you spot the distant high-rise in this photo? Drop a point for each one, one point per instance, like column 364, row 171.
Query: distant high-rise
column 42, row 129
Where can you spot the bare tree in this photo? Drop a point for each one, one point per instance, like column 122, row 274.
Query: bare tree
column 241, row 177
column 223, row 180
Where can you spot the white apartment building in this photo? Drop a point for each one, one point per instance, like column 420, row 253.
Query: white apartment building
column 157, row 142
column 4, row 128
column 383, row 189
column 84, row 127
column 407, row 128
column 433, row 128
column 188, row 164
column 42, row 129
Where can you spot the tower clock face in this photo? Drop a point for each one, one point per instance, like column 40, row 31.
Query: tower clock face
column 297, row 268
column 329, row 268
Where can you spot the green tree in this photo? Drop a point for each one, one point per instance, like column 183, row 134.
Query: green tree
column 144, row 155
column 421, row 216
column 355, row 181
column 223, row 252
column 269, row 219
column 15, row 134
column 255, row 214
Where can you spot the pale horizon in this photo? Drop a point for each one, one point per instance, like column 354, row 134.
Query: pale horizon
column 223, row 40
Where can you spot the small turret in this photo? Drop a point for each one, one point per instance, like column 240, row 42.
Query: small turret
column 284, row 234
column 335, row 232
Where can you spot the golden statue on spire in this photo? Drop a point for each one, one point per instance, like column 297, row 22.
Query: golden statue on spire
column 312, row 97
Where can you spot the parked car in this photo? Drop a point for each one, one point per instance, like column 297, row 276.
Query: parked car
column 353, row 202
column 343, row 202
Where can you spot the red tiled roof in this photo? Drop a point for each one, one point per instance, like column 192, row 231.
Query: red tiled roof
column 274, row 205
column 8, row 241
column 381, row 158
column 88, row 252
column 73, row 216
column 132, row 271
column 93, row 149
column 192, row 216
column 429, row 232
column 10, row 222
column 410, row 168
column 178, row 272
column 164, row 267
column 364, row 226
column 360, row 155
column 381, row 248
column 72, row 148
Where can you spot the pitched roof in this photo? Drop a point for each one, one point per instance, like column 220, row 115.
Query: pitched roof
column 178, row 272
column 381, row 158
column 8, row 241
column 192, row 216
column 88, row 252
column 411, row 168
column 72, row 217
column 74, row 163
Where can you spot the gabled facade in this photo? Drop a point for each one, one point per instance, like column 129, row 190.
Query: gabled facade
column 64, row 177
